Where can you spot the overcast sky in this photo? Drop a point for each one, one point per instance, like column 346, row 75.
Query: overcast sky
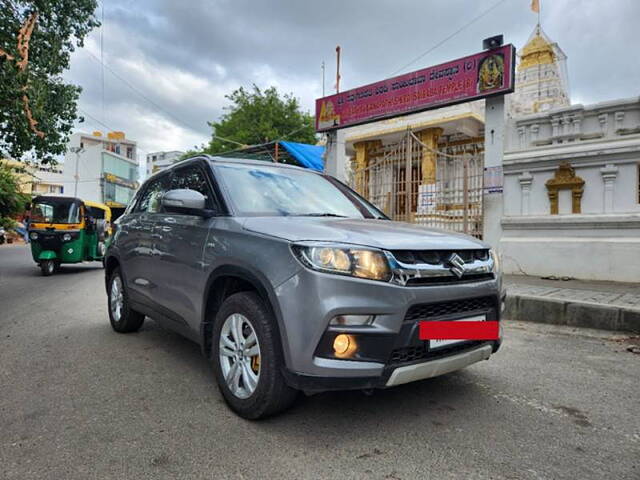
column 184, row 56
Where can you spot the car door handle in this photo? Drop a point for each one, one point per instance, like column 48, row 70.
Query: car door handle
column 166, row 229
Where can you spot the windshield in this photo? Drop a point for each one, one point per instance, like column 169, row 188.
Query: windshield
column 55, row 211
column 257, row 190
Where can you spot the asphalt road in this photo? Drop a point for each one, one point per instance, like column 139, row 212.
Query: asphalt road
column 80, row 401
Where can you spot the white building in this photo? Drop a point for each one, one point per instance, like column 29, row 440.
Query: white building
column 158, row 160
column 571, row 177
column 571, row 193
column 47, row 180
column 101, row 169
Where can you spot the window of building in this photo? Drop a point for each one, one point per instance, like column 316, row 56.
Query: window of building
column 117, row 193
column 130, row 152
column 120, row 167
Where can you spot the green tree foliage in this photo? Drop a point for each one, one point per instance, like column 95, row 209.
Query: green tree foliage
column 260, row 116
column 12, row 202
column 37, row 109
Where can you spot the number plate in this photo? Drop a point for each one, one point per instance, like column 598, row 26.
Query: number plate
column 436, row 344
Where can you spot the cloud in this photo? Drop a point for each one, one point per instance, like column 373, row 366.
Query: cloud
column 182, row 58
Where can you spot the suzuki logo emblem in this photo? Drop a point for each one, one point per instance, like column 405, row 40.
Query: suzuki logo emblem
column 456, row 265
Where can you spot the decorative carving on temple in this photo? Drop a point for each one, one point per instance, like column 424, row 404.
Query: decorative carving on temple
column 565, row 178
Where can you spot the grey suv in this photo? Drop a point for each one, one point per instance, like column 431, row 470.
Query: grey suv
column 290, row 281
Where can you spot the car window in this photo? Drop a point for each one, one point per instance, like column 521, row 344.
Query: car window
column 150, row 198
column 258, row 190
column 192, row 178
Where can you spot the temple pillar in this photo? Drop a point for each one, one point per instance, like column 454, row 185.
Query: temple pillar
column 429, row 138
column 360, row 163
column 526, row 179
column 609, row 173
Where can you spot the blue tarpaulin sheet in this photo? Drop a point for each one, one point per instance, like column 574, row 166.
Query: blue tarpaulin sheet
column 309, row 156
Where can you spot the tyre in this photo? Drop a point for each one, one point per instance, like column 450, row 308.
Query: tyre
column 47, row 267
column 122, row 317
column 247, row 358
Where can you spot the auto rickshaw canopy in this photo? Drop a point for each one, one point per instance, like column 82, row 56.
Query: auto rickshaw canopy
column 103, row 210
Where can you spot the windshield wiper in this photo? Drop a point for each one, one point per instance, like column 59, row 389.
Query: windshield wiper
column 320, row 215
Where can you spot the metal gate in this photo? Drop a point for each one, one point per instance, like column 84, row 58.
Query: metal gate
column 393, row 181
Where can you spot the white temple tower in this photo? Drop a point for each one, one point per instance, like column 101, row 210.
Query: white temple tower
column 542, row 82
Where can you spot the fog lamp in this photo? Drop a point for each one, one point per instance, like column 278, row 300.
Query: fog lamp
column 344, row 346
column 352, row 320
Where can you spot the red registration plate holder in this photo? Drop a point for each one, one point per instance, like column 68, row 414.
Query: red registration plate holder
column 445, row 333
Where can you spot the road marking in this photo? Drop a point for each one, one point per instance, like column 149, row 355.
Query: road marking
column 566, row 412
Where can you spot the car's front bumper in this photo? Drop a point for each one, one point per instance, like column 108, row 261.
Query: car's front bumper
column 393, row 375
column 391, row 352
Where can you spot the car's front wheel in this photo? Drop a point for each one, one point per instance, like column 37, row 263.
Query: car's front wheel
column 122, row 317
column 247, row 359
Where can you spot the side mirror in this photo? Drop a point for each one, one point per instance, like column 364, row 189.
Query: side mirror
column 185, row 201
column 27, row 206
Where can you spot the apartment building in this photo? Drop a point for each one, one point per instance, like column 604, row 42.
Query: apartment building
column 101, row 168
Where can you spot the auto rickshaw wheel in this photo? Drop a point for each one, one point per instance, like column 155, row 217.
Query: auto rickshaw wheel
column 47, row 267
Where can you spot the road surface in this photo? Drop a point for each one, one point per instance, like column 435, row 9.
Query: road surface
column 78, row 401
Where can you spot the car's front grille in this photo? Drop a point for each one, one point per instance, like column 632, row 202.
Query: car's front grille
column 426, row 311
column 438, row 257
column 410, row 349
column 422, row 352
column 469, row 278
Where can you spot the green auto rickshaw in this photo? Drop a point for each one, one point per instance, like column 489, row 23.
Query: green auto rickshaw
column 67, row 230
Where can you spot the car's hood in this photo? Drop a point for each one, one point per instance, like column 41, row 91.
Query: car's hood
column 383, row 234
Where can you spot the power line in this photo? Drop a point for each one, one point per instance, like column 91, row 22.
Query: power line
column 166, row 112
column 102, row 55
column 450, row 36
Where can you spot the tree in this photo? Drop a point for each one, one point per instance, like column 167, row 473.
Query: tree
column 12, row 201
column 260, row 116
column 37, row 109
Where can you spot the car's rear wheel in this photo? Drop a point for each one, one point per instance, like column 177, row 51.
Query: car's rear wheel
column 122, row 317
column 247, row 358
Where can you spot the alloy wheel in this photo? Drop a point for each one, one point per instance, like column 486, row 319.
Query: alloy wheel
column 116, row 300
column 239, row 355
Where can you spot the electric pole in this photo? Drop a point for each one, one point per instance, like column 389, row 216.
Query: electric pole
column 77, row 151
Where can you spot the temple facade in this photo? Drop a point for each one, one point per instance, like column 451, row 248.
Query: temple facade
column 571, row 202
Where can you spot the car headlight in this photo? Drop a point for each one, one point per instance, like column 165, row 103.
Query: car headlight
column 66, row 237
column 495, row 256
column 33, row 235
column 353, row 261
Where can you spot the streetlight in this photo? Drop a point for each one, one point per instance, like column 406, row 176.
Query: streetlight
column 77, row 151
